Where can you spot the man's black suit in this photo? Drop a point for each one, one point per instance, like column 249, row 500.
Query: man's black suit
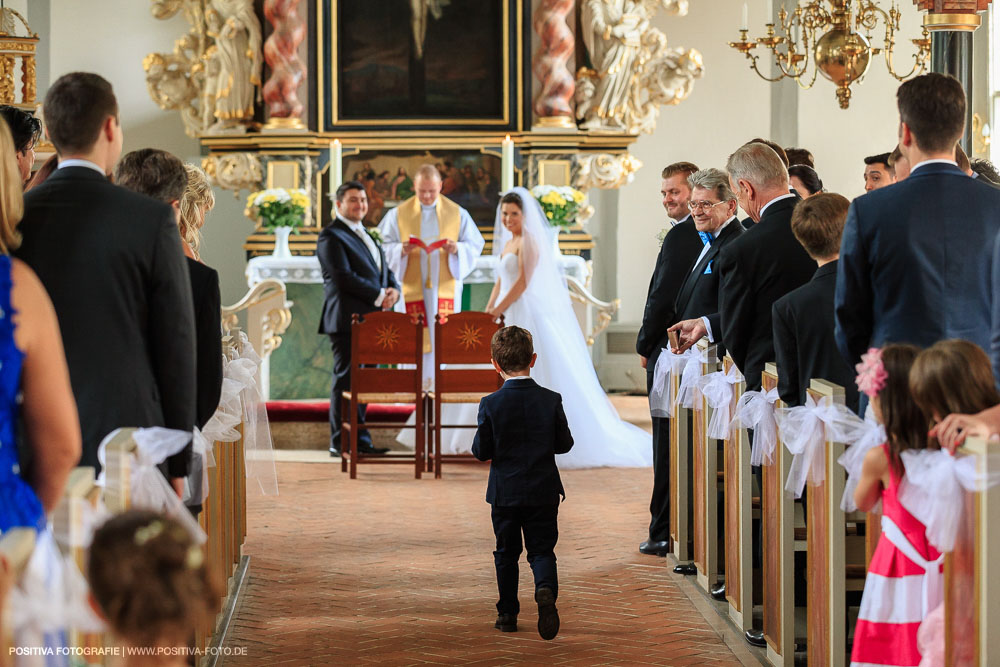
column 680, row 249
column 521, row 428
column 352, row 282
column 699, row 295
column 111, row 260
column 916, row 262
column 756, row 269
column 804, row 344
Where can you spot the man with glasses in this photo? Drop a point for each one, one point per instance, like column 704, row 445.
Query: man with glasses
column 679, row 250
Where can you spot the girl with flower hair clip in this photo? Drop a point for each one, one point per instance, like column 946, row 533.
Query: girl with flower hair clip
column 149, row 580
column 903, row 562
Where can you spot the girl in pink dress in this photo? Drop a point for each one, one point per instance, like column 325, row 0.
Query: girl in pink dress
column 905, row 570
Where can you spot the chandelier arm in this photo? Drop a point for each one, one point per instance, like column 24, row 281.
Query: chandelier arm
column 753, row 66
column 919, row 65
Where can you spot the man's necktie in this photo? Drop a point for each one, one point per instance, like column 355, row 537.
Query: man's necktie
column 707, row 237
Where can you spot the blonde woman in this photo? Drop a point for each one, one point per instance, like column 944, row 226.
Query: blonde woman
column 197, row 200
column 31, row 361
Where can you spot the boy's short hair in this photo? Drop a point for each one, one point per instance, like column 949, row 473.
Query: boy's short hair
column 511, row 348
column 154, row 173
column 818, row 223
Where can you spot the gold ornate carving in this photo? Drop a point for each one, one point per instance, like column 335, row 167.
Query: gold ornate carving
column 12, row 48
column 268, row 315
column 635, row 71
column 605, row 309
column 234, row 171
column 607, row 171
column 214, row 70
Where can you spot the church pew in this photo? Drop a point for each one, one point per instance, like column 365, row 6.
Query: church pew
column 680, row 473
column 835, row 559
column 778, row 547
column 705, row 481
column 738, row 483
column 972, row 578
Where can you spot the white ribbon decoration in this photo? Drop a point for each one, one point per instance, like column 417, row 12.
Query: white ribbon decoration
column 257, row 446
column 687, row 391
column 717, row 388
column 805, row 430
column 755, row 411
column 869, row 436
column 661, row 395
column 932, row 491
column 932, row 588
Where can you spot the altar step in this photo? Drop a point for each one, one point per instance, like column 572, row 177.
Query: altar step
column 305, row 424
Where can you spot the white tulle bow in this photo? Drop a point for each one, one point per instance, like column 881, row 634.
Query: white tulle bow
column 257, row 446
column 933, row 488
column 868, row 436
column 661, row 396
column 755, row 411
column 687, row 390
column 717, row 388
column 805, row 430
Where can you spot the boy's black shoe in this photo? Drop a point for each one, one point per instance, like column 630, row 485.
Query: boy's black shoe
column 506, row 623
column 548, row 617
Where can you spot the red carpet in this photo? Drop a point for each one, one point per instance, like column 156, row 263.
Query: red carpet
column 319, row 411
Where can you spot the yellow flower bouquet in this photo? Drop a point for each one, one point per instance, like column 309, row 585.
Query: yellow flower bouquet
column 561, row 204
column 278, row 207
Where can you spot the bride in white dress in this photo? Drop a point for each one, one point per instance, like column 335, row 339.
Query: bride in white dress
column 531, row 293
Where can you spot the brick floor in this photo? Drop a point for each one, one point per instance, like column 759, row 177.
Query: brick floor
column 391, row 570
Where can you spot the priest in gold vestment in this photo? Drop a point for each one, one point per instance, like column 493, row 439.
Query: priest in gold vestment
column 440, row 229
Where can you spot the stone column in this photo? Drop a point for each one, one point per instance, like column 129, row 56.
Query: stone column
column 951, row 24
column 281, row 52
column 552, row 105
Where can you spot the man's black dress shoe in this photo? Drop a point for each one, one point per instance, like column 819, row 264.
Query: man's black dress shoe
column 651, row 548
column 506, row 623
column 719, row 592
column 755, row 638
column 548, row 616
column 686, row 569
column 369, row 449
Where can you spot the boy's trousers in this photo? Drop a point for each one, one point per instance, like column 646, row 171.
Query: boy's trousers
column 541, row 530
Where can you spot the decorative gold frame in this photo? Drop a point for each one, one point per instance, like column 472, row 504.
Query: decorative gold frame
column 323, row 23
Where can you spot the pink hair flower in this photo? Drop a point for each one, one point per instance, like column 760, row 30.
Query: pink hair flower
column 872, row 375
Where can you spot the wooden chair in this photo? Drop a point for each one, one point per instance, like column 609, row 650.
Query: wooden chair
column 778, row 547
column 738, row 483
column 835, row 553
column 460, row 339
column 385, row 339
column 705, row 482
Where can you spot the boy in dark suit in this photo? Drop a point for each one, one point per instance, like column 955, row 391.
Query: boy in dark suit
column 522, row 427
column 804, row 342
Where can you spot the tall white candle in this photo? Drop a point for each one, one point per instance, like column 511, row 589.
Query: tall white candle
column 336, row 164
column 745, row 22
column 507, row 165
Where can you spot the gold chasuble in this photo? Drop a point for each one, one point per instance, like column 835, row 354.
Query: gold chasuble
column 449, row 223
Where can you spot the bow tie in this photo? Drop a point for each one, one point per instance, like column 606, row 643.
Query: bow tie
column 707, row 237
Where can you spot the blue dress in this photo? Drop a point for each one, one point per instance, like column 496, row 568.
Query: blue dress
column 19, row 506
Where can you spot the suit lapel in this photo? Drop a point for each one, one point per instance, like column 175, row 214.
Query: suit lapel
column 359, row 245
column 691, row 280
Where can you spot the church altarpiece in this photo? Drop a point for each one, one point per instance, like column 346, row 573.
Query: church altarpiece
column 398, row 83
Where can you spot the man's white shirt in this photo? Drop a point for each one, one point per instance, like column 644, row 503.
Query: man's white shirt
column 359, row 229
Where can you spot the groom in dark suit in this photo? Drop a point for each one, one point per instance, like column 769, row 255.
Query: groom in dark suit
column 916, row 258
column 112, row 262
column 679, row 250
column 356, row 279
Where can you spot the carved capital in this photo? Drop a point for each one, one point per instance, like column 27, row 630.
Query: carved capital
column 606, row 171
column 234, row 171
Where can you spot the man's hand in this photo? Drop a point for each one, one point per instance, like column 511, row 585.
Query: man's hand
column 178, row 485
column 690, row 332
column 391, row 297
column 643, row 361
column 954, row 429
column 410, row 248
column 450, row 247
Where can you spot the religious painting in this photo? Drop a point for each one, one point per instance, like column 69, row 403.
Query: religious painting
column 470, row 179
column 419, row 63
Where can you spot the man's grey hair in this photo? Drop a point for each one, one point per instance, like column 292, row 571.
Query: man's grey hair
column 715, row 180
column 759, row 165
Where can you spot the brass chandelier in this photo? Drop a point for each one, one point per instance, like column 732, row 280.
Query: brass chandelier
column 838, row 34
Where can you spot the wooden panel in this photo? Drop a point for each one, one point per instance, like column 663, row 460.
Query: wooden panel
column 731, row 483
column 467, row 380
column 385, row 338
column 705, row 479
column 385, row 380
column 680, row 447
column 818, row 575
column 700, row 489
column 464, row 338
column 960, row 590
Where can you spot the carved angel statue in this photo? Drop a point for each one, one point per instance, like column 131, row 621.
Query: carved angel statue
column 634, row 71
column 233, row 63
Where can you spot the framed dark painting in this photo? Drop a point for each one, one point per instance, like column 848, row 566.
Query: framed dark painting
column 410, row 64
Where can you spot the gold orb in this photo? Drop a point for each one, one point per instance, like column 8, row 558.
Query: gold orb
column 842, row 56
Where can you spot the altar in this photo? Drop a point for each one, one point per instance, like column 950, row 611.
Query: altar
column 300, row 368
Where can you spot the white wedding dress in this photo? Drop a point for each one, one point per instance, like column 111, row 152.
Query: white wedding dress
column 564, row 365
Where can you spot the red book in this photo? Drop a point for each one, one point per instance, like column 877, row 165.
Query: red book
column 428, row 248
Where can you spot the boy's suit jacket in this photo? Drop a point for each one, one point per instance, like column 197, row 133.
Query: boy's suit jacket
column 522, row 427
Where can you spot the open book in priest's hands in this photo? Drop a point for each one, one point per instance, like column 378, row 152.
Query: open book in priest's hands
column 428, row 248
